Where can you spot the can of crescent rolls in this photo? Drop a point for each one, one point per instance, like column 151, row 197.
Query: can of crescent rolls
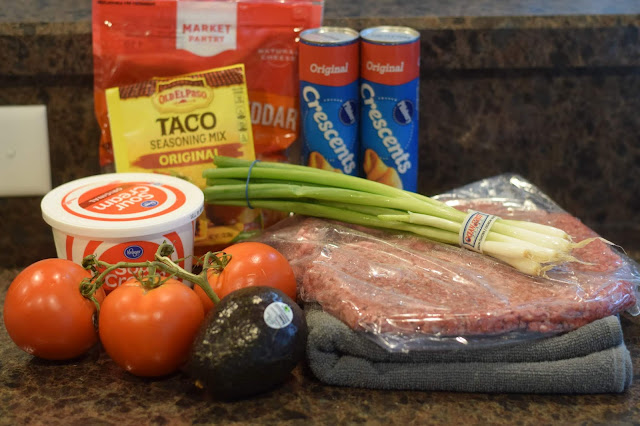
column 390, row 77
column 329, row 70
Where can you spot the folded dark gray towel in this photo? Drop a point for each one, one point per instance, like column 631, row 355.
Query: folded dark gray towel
column 591, row 359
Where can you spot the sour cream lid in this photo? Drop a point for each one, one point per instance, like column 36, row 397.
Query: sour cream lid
column 122, row 205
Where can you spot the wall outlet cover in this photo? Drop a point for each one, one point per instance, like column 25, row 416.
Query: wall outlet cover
column 25, row 168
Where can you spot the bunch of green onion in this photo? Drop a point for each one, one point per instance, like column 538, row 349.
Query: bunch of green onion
column 529, row 247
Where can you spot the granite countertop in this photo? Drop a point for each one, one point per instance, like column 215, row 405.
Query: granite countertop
column 93, row 390
column 47, row 43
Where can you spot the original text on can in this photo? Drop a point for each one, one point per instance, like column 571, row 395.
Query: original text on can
column 390, row 77
column 329, row 69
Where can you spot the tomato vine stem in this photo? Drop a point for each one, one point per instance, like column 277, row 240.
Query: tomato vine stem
column 153, row 278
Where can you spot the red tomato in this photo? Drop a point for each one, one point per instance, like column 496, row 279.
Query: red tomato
column 252, row 264
column 45, row 314
column 207, row 303
column 149, row 332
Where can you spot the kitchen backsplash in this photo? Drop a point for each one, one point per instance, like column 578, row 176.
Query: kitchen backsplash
column 552, row 97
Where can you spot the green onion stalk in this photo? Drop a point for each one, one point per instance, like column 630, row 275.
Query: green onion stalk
column 529, row 247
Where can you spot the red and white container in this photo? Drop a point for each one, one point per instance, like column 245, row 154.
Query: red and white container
column 123, row 217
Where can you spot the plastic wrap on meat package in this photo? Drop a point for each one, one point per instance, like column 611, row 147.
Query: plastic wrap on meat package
column 408, row 293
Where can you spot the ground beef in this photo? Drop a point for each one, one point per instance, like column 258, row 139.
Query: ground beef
column 386, row 282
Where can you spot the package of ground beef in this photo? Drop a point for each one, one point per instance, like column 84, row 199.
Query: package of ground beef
column 409, row 293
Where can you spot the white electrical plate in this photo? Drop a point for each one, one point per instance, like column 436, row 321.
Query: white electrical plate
column 25, row 168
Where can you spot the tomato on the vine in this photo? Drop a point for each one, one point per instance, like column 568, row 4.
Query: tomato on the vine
column 46, row 315
column 148, row 332
column 251, row 264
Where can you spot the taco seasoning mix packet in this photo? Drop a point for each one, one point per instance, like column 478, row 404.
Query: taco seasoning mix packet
column 176, row 125
column 142, row 42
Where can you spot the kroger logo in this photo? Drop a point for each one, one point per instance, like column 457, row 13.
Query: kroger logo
column 133, row 252
column 149, row 203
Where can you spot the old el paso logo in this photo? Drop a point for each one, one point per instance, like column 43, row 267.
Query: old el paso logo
column 181, row 95
column 133, row 252
column 385, row 68
column 328, row 70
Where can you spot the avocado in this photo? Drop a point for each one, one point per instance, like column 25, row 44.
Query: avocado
column 248, row 344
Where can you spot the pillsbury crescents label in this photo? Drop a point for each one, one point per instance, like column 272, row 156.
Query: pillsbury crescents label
column 329, row 70
column 390, row 77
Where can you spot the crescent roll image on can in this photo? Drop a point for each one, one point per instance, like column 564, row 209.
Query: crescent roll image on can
column 389, row 85
column 329, row 104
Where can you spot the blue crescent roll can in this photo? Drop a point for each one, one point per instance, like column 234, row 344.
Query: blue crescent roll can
column 329, row 104
column 389, row 85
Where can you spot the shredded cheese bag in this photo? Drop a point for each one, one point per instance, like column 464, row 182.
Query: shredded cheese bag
column 140, row 40
column 176, row 126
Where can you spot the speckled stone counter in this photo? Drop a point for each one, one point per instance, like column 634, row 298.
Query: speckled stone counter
column 549, row 90
column 92, row 390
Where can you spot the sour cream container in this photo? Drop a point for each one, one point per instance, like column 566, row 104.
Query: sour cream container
column 123, row 217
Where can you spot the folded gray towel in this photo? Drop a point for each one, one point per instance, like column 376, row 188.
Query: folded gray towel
column 591, row 359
